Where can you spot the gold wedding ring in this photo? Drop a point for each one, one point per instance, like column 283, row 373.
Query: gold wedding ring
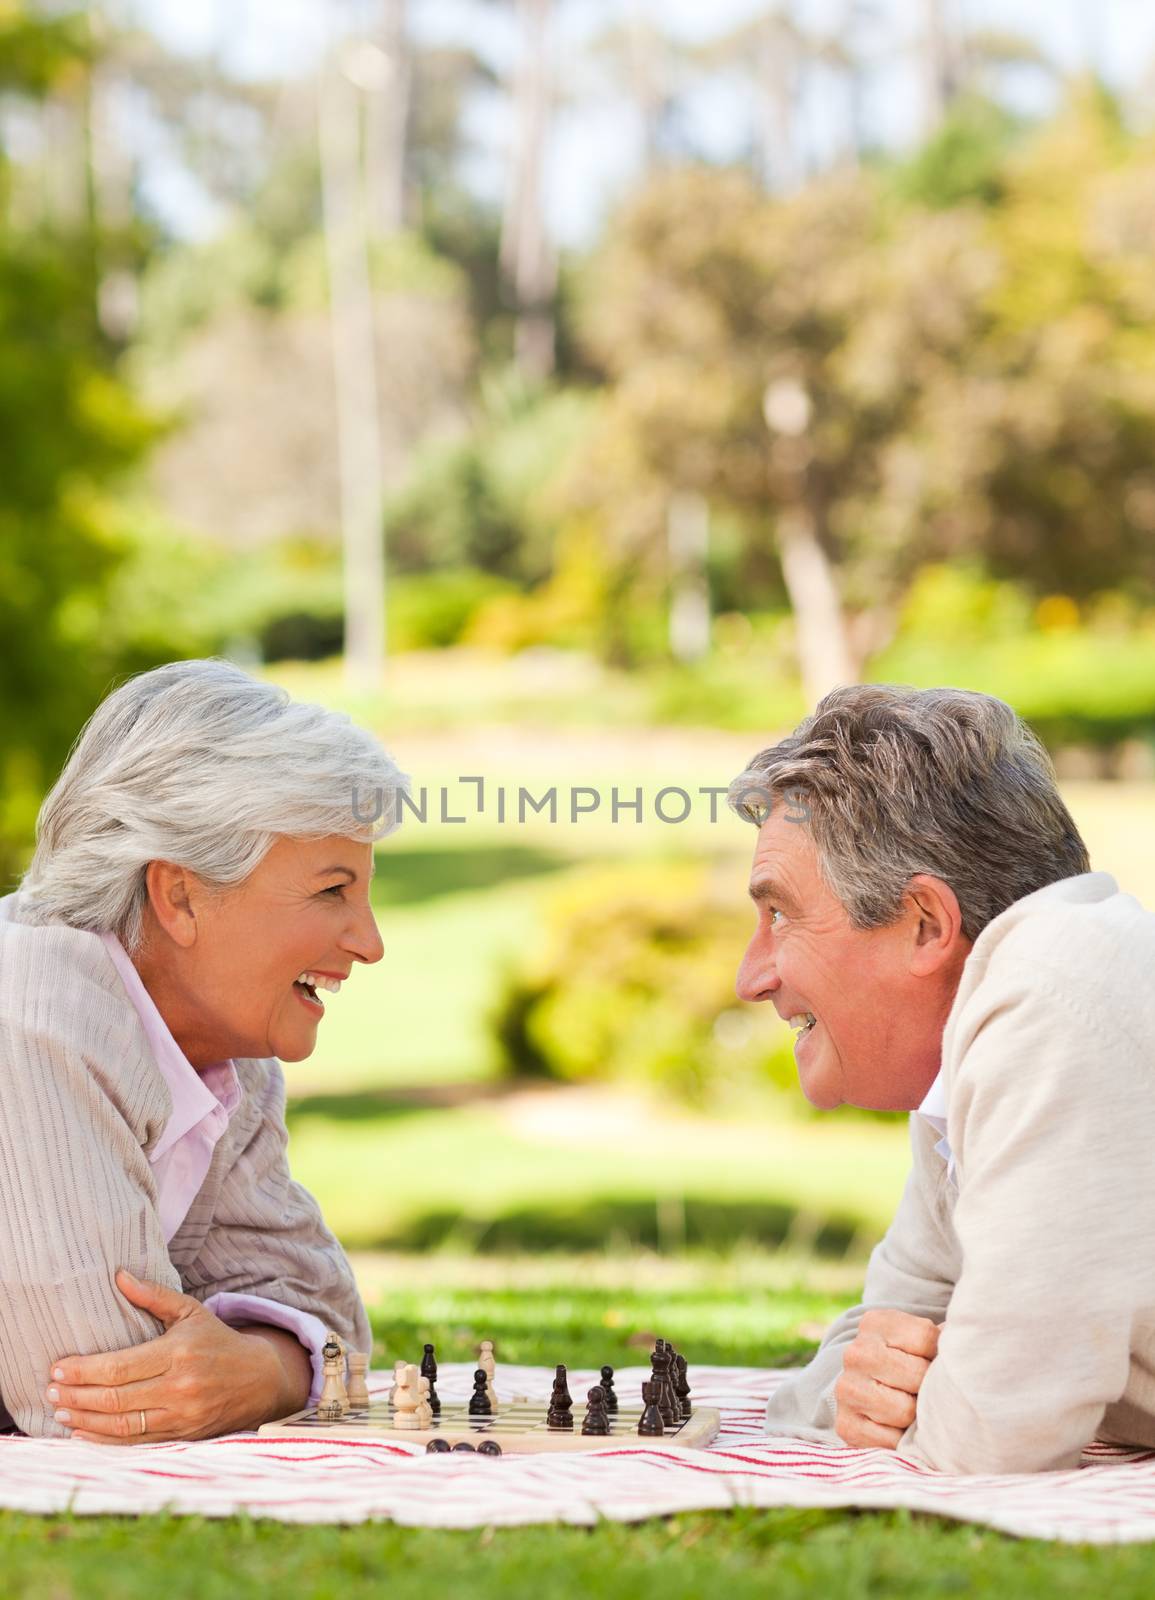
column 143, row 1424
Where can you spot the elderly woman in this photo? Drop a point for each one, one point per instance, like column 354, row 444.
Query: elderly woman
column 201, row 880
column 928, row 922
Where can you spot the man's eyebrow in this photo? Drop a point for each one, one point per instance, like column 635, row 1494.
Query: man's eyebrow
column 766, row 889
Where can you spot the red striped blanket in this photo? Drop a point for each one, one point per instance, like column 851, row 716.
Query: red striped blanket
column 1109, row 1499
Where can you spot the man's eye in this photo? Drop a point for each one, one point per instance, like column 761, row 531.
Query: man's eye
column 775, row 914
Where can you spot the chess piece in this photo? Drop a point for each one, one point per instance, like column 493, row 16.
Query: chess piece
column 333, row 1403
column 398, row 1373
column 357, row 1388
column 479, row 1405
column 438, row 1447
column 597, row 1418
column 424, row 1412
column 407, row 1399
column 650, row 1423
column 560, row 1402
column 608, row 1386
column 682, row 1387
column 486, row 1361
column 664, row 1397
column 464, row 1445
column 489, row 1447
column 429, row 1370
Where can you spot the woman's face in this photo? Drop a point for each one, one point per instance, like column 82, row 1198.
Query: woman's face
column 226, row 979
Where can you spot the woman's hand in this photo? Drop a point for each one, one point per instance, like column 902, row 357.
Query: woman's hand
column 199, row 1378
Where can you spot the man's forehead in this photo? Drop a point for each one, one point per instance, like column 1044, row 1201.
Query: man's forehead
column 784, row 858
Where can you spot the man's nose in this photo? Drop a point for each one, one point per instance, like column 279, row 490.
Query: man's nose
column 757, row 976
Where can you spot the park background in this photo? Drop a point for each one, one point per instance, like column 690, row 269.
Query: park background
column 572, row 392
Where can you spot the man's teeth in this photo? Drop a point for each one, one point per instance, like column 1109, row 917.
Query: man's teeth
column 804, row 1021
column 333, row 985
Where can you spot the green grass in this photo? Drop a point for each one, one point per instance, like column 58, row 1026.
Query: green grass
column 789, row 1554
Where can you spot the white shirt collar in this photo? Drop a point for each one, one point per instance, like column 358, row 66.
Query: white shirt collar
column 934, row 1109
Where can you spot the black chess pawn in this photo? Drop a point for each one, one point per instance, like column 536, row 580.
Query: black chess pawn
column 682, row 1387
column 650, row 1422
column 479, row 1402
column 560, row 1402
column 464, row 1445
column 489, row 1447
column 429, row 1370
column 608, row 1386
column 597, row 1418
column 437, row 1447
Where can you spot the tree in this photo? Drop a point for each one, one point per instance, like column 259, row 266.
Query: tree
column 527, row 255
column 69, row 430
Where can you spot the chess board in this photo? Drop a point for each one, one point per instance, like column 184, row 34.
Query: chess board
column 519, row 1426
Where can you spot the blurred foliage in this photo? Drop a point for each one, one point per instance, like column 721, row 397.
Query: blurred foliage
column 636, row 985
column 69, row 432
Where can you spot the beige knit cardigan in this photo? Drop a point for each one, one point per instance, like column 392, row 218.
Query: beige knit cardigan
column 82, row 1103
column 1040, row 1264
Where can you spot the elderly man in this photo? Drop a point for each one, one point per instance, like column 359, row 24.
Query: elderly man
column 928, row 922
column 201, row 872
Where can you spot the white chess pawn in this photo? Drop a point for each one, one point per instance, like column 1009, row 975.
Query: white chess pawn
column 487, row 1364
column 424, row 1411
column 398, row 1370
column 407, row 1399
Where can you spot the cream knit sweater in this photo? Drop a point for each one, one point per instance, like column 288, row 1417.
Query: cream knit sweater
column 82, row 1103
column 1041, row 1264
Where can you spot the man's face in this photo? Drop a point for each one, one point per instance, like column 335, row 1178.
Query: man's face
column 877, row 1031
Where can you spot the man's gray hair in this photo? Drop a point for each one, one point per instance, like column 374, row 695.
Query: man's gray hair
column 197, row 763
column 893, row 781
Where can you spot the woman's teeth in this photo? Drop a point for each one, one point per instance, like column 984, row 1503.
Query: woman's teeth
column 804, row 1021
column 312, row 981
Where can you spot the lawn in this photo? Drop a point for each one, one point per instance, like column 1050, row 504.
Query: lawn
column 735, row 1311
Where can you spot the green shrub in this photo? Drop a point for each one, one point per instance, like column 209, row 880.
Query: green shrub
column 636, row 984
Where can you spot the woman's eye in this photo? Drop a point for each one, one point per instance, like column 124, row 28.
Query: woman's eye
column 336, row 888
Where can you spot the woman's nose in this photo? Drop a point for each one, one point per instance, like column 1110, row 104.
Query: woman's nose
column 364, row 938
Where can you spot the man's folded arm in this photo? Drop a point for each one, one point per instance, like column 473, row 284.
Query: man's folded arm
column 912, row 1269
column 268, row 1257
column 76, row 1202
column 1052, row 1220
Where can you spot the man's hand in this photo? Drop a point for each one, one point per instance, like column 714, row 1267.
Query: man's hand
column 882, row 1372
column 199, row 1378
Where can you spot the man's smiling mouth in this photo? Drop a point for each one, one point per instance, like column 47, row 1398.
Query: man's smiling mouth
column 802, row 1023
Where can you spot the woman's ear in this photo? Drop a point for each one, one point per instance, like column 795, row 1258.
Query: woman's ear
column 171, row 892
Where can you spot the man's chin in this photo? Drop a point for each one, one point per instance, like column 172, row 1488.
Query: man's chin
column 821, row 1088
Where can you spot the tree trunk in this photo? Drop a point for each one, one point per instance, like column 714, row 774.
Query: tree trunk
column 824, row 652
column 527, row 258
column 938, row 50
column 354, row 368
column 688, row 546
column 775, row 105
column 386, row 126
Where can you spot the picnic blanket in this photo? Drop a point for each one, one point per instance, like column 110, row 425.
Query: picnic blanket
column 1109, row 1499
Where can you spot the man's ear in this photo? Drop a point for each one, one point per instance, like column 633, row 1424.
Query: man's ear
column 936, row 922
column 171, row 892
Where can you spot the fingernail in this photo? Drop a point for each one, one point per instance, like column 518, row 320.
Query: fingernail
column 63, row 1416
column 54, row 1395
column 125, row 1273
column 58, row 1373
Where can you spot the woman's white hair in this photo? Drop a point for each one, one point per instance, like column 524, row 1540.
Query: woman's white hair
column 198, row 763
